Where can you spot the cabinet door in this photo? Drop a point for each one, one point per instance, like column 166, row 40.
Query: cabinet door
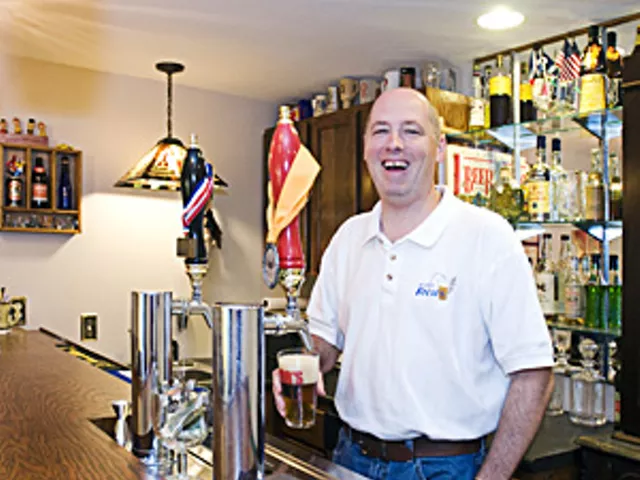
column 304, row 131
column 266, row 143
column 334, row 198
column 367, row 194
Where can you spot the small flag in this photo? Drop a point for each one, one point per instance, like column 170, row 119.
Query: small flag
column 561, row 60
column 574, row 61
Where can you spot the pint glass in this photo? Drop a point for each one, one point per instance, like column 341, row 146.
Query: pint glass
column 299, row 373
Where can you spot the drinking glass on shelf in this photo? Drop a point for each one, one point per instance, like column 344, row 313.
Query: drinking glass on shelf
column 180, row 420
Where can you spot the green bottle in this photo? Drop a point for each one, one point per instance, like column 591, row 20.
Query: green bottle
column 592, row 317
column 615, row 294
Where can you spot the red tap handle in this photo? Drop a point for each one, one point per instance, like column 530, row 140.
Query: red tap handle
column 282, row 153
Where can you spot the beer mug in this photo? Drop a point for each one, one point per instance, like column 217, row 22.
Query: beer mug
column 299, row 373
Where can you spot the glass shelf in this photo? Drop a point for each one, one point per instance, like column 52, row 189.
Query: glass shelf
column 596, row 229
column 596, row 123
column 606, row 333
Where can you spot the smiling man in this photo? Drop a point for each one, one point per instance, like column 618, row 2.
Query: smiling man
column 433, row 306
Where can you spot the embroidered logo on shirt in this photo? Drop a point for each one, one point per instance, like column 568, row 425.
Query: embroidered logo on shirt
column 438, row 287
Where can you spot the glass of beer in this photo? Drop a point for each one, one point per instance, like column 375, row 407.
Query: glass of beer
column 299, row 373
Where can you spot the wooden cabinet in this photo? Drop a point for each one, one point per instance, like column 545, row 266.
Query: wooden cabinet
column 343, row 187
column 33, row 199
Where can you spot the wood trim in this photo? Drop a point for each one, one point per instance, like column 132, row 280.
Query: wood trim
column 556, row 38
column 38, row 230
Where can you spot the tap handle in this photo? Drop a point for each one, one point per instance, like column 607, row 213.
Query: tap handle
column 284, row 147
column 196, row 183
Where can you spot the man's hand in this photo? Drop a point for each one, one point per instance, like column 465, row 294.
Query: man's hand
column 276, row 388
column 328, row 356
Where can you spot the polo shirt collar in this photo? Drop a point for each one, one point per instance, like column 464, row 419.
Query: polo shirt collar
column 427, row 233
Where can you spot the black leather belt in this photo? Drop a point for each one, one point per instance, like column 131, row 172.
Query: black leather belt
column 404, row 451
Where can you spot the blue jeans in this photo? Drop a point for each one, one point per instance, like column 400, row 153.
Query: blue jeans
column 457, row 467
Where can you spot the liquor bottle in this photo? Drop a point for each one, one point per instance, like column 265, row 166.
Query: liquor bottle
column 588, row 389
column 615, row 187
column 546, row 277
column 614, row 71
column 39, row 185
column 500, row 95
column 527, row 111
column 615, row 293
column 593, row 295
column 15, row 191
column 573, row 293
column 476, row 106
column 560, row 208
column 562, row 269
column 486, row 77
column 592, row 78
column 505, row 196
column 593, row 57
column 65, row 187
column 537, row 186
column 594, row 209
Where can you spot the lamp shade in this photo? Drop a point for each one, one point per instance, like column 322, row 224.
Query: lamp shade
column 160, row 168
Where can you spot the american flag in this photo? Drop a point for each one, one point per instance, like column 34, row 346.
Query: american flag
column 574, row 61
column 568, row 62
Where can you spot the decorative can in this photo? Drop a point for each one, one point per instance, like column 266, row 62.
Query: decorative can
column 333, row 94
column 408, row 77
column 319, row 104
column 306, row 110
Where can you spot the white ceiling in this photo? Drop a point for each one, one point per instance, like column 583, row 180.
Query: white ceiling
column 275, row 49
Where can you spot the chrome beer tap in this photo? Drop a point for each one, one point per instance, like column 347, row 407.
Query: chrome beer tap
column 153, row 312
column 196, row 184
column 239, row 331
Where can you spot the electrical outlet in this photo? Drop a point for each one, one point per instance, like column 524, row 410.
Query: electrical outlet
column 89, row 326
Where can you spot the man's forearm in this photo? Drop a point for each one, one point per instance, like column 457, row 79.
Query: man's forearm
column 522, row 413
column 328, row 353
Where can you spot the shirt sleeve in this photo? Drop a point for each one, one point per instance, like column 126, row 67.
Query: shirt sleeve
column 512, row 314
column 322, row 310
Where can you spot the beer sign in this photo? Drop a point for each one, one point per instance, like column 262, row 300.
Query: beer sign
column 469, row 171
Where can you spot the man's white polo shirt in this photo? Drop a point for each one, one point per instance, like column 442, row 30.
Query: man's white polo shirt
column 431, row 325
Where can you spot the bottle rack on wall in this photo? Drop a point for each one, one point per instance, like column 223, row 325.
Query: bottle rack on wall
column 41, row 189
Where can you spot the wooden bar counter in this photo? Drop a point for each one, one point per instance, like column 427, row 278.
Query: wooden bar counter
column 47, row 400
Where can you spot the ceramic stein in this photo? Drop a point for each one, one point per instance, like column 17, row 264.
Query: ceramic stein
column 348, row 91
column 391, row 79
column 369, row 90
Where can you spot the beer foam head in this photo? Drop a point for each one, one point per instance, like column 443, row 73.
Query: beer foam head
column 306, row 365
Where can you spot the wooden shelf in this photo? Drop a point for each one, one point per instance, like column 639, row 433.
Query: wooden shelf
column 53, row 211
column 38, row 230
column 25, row 219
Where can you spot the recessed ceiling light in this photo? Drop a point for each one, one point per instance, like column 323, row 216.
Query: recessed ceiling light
column 500, row 18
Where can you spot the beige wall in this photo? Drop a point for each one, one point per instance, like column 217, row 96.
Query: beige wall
column 128, row 240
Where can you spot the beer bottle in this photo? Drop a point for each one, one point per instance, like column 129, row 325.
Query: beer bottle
column 65, row 188
column 39, row 185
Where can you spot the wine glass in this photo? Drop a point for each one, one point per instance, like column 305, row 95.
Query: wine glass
column 180, row 420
